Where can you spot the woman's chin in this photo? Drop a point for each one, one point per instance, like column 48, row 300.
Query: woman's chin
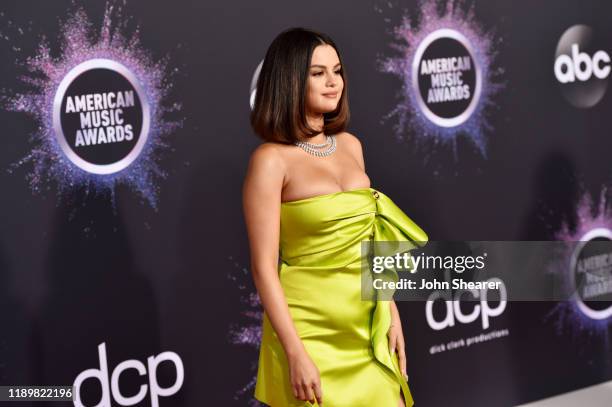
column 327, row 107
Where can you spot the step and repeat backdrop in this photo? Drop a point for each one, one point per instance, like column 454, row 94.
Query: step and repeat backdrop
column 124, row 263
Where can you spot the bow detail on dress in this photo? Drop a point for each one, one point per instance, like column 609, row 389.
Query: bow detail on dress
column 391, row 225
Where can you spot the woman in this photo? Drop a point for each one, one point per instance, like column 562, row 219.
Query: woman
column 308, row 204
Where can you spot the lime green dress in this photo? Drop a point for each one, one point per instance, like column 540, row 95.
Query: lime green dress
column 320, row 272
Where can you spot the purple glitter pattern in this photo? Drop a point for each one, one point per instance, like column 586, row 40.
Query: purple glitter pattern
column 247, row 333
column 407, row 37
column 79, row 42
column 566, row 315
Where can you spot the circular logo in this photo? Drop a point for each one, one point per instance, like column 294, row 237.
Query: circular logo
column 591, row 267
column 581, row 67
column 253, row 92
column 446, row 78
column 101, row 116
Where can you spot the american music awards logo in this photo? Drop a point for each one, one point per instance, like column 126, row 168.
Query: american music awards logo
column 101, row 108
column 585, row 271
column 445, row 62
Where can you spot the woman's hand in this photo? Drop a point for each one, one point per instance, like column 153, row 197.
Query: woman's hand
column 396, row 339
column 305, row 378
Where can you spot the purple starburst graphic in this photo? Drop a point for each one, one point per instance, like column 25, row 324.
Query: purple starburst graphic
column 593, row 220
column 407, row 37
column 249, row 332
column 80, row 42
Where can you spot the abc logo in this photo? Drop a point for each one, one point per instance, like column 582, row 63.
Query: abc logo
column 153, row 387
column 581, row 67
column 453, row 311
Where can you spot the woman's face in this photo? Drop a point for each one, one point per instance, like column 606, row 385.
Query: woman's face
column 324, row 85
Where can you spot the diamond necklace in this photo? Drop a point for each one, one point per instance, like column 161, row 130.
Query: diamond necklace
column 312, row 148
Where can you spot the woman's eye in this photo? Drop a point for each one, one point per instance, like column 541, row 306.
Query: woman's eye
column 317, row 73
column 338, row 72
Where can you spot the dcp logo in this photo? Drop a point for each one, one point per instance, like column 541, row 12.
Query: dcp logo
column 581, row 67
column 454, row 312
column 153, row 387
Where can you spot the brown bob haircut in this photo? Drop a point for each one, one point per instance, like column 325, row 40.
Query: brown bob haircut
column 279, row 111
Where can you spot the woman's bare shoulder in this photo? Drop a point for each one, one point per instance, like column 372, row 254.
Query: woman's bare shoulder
column 268, row 157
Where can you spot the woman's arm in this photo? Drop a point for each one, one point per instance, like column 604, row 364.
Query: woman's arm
column 261, row 199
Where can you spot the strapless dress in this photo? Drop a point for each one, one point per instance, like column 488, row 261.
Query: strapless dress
column 320, row 272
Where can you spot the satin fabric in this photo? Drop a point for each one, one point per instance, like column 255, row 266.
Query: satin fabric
column 320, row 272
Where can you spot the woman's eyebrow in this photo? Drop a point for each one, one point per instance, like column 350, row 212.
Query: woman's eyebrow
column 322, row 66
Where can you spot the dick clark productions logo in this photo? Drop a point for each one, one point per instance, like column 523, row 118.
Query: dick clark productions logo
column 109, row 380
column 101, row 116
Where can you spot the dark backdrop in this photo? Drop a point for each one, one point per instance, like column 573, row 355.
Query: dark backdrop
column 76, row 272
